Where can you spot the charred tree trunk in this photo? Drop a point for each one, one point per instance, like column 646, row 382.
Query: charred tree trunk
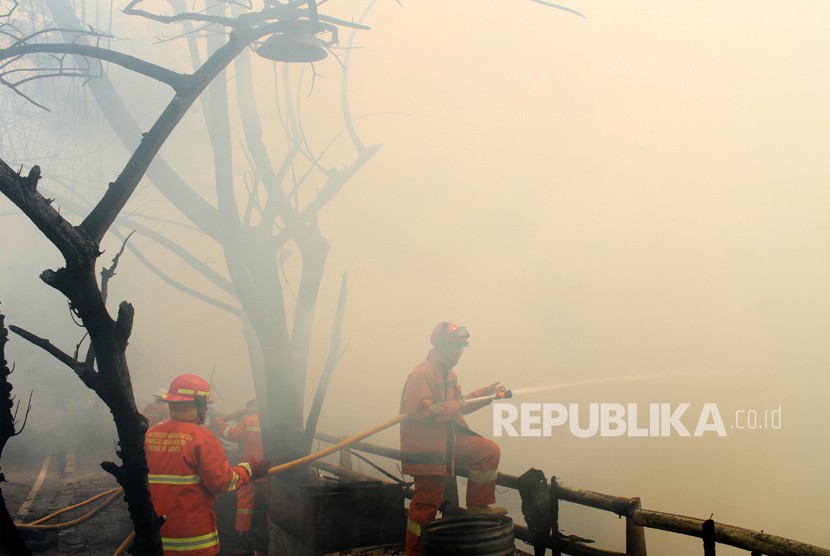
column 108, row 337
column 257, row 283
column 251, row 249
column 114, row 387
column 79, row 246
column 9, row 535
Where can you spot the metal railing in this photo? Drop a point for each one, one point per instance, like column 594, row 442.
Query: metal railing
column 636, row 518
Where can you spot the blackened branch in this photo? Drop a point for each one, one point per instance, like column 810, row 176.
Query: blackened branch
column 85, row 373
column 25, row 417
column 113, row 469
column 107, row 273
column 89, row 360
column 32, row 178
column 153, row 71
column 124, row 322
column 63, row 235
column 45, row 345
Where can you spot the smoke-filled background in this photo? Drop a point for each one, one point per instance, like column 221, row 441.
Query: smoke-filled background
column 642, row 192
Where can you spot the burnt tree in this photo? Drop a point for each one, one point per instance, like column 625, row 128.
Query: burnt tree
column 255, row 229
column 9, row 535
column 109, row 376
column 107, row 373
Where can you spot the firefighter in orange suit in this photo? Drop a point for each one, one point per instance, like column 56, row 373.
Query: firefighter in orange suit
column 435, row 439
column 248, row 434
column 188, row 468
column 156, row 411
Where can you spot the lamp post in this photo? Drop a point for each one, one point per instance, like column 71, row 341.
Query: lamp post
column 296, row 46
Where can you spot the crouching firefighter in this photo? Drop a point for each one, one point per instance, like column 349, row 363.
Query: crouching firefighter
column 188, row 468
column 435, row 438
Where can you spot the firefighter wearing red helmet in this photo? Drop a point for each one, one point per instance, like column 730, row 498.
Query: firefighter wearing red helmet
column 188, row 468
column 447, row 332
column 435, row 438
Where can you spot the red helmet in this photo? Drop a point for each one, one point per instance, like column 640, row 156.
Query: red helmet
column 185, row 388
column 447, row 332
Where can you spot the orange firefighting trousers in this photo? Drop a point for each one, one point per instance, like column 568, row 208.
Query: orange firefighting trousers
column 479, row 455
column 245, row 508
column 245, row 497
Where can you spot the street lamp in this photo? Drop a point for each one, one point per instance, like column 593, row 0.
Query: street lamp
column 292, row 46
column 295, row 45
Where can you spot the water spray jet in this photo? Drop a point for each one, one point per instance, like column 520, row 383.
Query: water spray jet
column 590, row 381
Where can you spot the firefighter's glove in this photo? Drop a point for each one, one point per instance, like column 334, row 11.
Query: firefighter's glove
column 494, row 389
column 259, row 468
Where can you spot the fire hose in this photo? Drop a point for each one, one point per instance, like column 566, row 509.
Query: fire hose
column 272, row 471
column 301, row 461
column 113, row 493
column 368, row 432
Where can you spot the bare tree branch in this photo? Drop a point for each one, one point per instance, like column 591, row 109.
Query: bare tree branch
column 179, row 251
column 13, row 4
column 23, row 193
column 22, row 94
column 124, row 323
column 274, row 12
column 558, row 7
column 85, row 373
column 102, row 216
column 185, row 255
column 332, row 358
column 180, row 285
column 130, row 9
column 107, row 273
column 153, row 71
column 25, row 416
column 77, row 32
column 178, row 191
column 344, row 95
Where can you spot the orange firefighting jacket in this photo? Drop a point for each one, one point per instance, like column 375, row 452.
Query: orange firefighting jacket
column 431, row 399
column 187, row 469
column 247, row 433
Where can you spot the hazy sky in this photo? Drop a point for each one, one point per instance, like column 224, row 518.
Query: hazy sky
column 643, row 191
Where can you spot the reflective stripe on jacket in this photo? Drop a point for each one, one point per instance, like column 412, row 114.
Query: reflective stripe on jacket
column 187, row 469
column 431, row 400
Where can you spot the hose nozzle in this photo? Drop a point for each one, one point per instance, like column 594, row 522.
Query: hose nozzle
column 503, row 395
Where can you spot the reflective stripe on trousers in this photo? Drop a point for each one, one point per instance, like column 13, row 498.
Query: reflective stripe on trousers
column 483, row 476
column 479, row 455
column 190, row 543
column 173, row 479
column 245, row 507
column 429, row 493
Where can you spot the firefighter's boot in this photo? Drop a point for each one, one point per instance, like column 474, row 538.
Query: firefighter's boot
column 486, row 510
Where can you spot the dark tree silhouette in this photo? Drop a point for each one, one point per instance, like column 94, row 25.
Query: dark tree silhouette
column 106, row 370
column 258, row 226
column 9, row 535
